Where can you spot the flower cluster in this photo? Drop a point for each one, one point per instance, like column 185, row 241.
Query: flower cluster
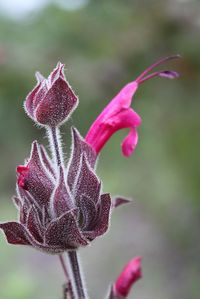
column 59, row 208
column 62, row 207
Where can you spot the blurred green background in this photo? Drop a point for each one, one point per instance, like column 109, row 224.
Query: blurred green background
column 104, row 45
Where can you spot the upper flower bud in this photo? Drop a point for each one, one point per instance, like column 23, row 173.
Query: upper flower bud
column 52, row 100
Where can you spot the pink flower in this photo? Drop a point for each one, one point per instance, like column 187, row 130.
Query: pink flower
column 130, row 274
column 52, row 101
column 62, row 207
column 118, row 114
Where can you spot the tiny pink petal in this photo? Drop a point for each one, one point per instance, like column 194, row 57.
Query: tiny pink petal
column 130, row 274
column 130, row 142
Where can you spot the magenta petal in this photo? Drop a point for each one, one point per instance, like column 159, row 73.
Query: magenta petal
column 15, row 233
column 126, row 118
column 120, row 102
column 64, row 232
column 113, row 118
column 129, row 143
column 130, row 274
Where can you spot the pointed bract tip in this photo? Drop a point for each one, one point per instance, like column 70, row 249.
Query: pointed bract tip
column 35, row 149
column 40, row 78
column 59, row 64
column 74, row 131
column 119, row 200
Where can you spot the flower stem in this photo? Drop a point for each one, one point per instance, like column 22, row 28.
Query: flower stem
column 55, row 145
column 68, row 292
column 64, row 267
column 76, row 272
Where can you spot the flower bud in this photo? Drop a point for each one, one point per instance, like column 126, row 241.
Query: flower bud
column 52, row 101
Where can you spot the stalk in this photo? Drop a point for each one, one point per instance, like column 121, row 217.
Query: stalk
column 77, row 275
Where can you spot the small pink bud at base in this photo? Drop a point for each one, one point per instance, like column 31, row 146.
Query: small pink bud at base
column 130, row 274
column 22, row 170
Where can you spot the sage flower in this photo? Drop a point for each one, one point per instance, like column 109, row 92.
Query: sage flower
column 118, row 114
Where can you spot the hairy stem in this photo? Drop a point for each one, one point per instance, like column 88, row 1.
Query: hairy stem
column 68, row 292
column 77, row 275
column 64, row 267
column 55, row 145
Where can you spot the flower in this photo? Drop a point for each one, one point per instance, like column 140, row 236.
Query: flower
column 118, row 114
column 130, row 274
column 62, row 210
column 52, row 100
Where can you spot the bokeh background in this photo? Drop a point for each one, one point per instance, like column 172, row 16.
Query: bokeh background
column 105, row 44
